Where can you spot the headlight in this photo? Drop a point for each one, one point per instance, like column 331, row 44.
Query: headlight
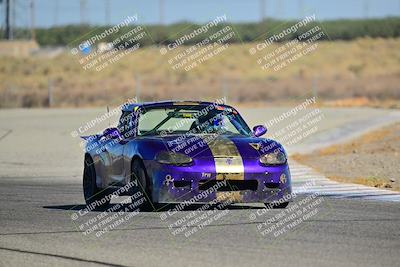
column 273, row 158
column 167, row 157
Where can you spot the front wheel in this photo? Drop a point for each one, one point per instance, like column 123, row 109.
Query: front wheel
column 139, row 173
column 94, row 197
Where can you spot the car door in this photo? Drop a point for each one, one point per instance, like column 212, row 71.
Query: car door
column 115, row 151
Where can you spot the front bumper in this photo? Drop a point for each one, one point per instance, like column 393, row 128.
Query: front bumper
column 199, row 184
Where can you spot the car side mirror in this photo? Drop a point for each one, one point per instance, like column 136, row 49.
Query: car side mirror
column 112, row 133
column 259, row 130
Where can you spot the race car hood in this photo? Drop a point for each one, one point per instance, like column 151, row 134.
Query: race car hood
column 216, row 146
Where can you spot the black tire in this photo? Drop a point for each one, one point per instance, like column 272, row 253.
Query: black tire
column 94, row 197
column 144, row 183
column 277, row 205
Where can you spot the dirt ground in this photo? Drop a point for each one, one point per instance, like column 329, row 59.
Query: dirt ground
column 372, row 159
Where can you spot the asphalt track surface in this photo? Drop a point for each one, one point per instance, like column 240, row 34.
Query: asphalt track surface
column 40, row 191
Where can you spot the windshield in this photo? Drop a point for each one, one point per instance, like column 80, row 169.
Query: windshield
column 192, row 120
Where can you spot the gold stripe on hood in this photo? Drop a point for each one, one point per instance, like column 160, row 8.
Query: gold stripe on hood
column 228, row 161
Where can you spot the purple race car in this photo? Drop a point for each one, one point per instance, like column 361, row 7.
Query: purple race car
column 180, row 151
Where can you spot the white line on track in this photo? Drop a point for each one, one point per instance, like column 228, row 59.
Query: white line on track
column 303, row 176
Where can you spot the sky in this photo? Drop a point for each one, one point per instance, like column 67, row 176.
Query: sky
column 61, row 12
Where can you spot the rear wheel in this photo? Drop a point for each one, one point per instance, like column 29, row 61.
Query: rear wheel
column 144, row 183
column 276, row 205
column 95, row 199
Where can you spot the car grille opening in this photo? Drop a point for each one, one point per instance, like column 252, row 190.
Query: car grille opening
column 182, row 184
column 271, row 185
column 231, row 185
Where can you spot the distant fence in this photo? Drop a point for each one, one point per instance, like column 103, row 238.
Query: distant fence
column 235, row 90
column 18, row 48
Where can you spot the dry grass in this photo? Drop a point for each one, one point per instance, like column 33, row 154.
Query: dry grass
column 363, row 102
column 351, row 147
column 371, row 159
column 362, row 69
column 368, row 181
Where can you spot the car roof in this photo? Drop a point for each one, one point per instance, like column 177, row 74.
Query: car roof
column 169, row 103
